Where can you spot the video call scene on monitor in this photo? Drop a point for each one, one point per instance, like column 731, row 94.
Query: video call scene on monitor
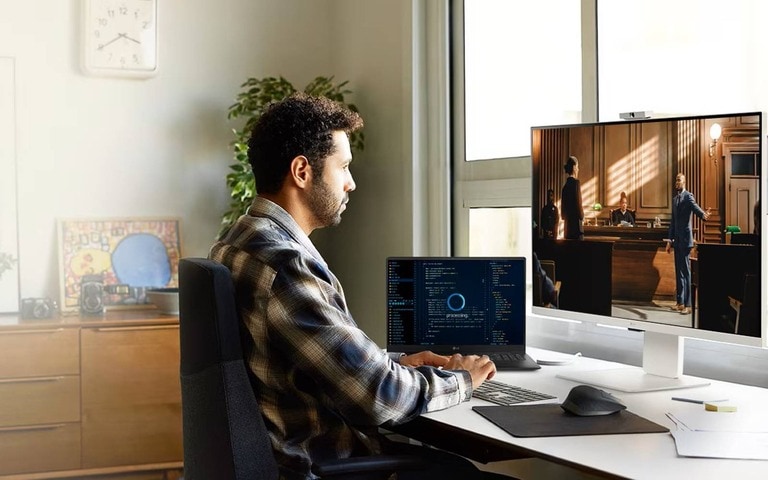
column 655, row 220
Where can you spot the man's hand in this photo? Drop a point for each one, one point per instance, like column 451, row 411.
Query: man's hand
column 480, row 368
column 707, row 212
column 424, row 358
column 669, row 247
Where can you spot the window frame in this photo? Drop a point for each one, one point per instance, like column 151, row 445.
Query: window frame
column 466, row 174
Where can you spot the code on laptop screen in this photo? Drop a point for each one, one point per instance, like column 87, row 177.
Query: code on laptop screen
column 455, row 301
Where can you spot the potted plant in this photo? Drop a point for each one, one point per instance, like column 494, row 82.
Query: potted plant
column 255, row 95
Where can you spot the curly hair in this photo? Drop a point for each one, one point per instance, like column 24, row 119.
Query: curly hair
column 297, row 125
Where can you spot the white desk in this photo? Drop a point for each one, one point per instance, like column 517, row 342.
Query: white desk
column 650, row 455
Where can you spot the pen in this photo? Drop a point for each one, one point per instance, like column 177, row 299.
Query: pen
column 693, row 400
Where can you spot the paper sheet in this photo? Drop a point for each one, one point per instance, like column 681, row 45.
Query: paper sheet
column 737, row 445
column 702, row 420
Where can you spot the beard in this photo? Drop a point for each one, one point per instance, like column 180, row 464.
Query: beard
column 325, row 206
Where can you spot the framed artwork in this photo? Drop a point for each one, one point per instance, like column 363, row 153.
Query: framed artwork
column 126, row 255
column 9, row 251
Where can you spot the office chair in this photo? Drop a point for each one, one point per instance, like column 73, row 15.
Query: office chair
column 549, row 269
column 224, row 435
column 747, row 307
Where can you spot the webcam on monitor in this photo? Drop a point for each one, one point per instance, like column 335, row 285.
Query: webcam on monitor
column 643, row 114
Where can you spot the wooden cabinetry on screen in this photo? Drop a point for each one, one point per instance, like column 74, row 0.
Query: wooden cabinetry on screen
column 635, row 159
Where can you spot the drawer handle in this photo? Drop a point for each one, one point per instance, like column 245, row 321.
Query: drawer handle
column 31, row 380
column 46, row 330
column 32, row 428
column 130, row 329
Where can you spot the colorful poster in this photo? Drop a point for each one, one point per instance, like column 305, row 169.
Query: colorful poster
column 126, row 256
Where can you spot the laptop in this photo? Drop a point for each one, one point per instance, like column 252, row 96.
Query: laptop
column 466, row 305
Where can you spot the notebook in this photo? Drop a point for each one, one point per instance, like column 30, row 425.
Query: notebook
column 467, row 305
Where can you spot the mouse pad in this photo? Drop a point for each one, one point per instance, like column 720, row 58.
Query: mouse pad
column 549, row 420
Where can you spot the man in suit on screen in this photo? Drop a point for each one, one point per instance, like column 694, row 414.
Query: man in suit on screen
column 681, row 239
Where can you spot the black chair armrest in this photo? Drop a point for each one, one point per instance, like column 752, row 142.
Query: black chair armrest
column 358, row 467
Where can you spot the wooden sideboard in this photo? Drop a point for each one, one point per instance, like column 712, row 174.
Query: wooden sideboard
column 90, row 397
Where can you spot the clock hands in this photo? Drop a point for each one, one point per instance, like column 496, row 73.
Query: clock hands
column 125, row 36
column 101, row 46
column 118, row 37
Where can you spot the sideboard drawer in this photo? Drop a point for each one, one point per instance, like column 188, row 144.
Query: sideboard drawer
column 38, row 400
column 138, row 409
column 37, row 353
column 40, row 448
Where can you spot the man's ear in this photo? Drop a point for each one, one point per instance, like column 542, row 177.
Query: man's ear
column 300, row 172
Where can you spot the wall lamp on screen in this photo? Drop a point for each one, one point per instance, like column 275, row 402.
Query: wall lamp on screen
column 714, row 133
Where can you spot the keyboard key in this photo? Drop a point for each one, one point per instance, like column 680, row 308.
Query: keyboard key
column 514, row 357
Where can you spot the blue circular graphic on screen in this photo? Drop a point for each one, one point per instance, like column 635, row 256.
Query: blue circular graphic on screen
column 456, row 302
column 141, row 260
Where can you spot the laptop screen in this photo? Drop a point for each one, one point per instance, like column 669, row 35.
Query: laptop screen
column 451, row 305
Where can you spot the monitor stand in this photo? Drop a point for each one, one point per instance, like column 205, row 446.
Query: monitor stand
column 662, row 369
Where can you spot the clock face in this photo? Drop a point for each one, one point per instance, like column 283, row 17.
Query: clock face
column 120, row 37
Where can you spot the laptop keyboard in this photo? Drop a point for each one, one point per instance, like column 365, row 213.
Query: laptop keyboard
column 506, row 357
column 506, row 394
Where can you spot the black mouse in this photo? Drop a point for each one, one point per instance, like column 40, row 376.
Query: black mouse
column 587, row 401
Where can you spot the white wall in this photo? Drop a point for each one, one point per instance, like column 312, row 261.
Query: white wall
column 371, row 46
column 104, row 147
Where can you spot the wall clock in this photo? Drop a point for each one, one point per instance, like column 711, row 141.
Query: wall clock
column 120, row 37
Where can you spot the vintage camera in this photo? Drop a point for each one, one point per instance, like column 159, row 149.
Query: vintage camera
column 92, row 295
column 37, row 308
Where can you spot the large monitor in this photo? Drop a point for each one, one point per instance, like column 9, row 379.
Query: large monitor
column 615, row 267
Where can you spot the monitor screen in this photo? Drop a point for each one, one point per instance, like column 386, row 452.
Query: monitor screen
column 654, row 224
column 454, row 304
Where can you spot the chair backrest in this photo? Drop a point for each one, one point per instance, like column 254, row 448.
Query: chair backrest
column 224, row 433
column 537, row 290
column 549, row 268
column 749, row 314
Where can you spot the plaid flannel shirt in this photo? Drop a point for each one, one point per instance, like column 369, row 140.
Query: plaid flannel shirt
column 322, row 384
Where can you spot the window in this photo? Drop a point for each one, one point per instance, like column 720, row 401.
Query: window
column 653, row 55
column 745, row 164
column 680, row 57
column 522, row 67
column 502, row 232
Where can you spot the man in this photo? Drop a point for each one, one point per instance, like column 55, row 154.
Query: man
column 681, row 239
column 570, row 201
column 323, row 385
column 622, row 214
column 550, row 216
